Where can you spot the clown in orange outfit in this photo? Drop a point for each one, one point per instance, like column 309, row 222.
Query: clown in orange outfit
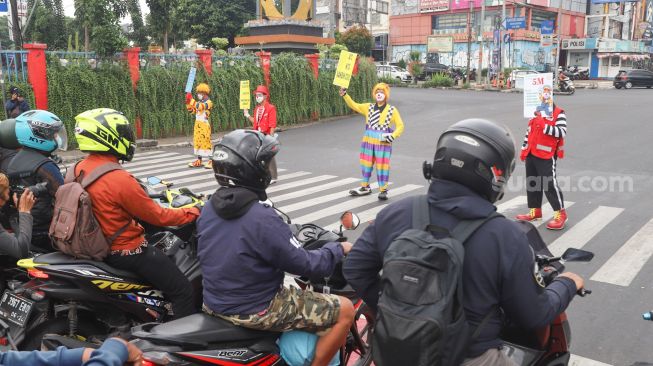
column 202, row 130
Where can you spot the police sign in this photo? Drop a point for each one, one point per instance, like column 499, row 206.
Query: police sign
column 574, row 44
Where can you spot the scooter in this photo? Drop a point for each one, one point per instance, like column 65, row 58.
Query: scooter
column 566, row 85
column 549, row 345
column 85, row 298
column 201, row 339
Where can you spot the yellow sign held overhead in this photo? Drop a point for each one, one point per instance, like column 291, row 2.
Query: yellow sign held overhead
column 345, row 69
column 245, row 95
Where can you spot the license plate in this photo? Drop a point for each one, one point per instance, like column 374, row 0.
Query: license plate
column 15, row 308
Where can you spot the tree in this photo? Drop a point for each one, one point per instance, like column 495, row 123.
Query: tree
column 358, row 40
column 5, row 40
column 138, row 34
column 206, row 19
column 176, row 35
column 48, row 24
column 219, row 43
column 162, row 18
column 104, row 15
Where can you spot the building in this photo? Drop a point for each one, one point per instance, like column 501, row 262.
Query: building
column 340, row 15
column 449, row 24
column 618, row 37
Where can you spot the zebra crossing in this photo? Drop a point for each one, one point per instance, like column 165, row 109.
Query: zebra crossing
column 321, row 198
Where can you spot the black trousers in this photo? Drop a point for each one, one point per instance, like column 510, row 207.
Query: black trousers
column 155, row 267
column 541, row 177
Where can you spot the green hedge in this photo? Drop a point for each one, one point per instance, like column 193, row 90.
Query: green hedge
column 159, row 98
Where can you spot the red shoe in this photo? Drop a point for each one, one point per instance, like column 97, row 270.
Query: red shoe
column 559, row 220
column 532, row 215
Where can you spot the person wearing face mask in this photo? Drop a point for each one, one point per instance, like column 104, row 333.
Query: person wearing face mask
column 376, row 147
column 265, row 121
column 202, row 130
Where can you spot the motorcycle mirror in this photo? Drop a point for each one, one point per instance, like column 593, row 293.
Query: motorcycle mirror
column 350, row 220
column 577, row 255
column 153, row 180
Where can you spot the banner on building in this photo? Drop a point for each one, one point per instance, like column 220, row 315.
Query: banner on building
column 546, row 40
column 516, row 23
column 464, row 4
column 538, row 95
column 613, row 1
column 547, row 27
column 428, row 6
column 436, row 44
column 4, row 7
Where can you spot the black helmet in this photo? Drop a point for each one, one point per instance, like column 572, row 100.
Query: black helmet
column 476, row 153
column 242, row 158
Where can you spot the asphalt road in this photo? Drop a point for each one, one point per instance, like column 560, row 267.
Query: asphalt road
column 607, row 174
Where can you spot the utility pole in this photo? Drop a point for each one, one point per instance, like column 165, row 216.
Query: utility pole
column 501, row 29
column 557, row 64
column 469, row 39
column 480, row 52
column 15, row 24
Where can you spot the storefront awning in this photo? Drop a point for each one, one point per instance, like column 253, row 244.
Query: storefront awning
column 623, row 55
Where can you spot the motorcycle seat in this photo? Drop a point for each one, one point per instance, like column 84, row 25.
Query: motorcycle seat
column 61, row 258
column 200, row 329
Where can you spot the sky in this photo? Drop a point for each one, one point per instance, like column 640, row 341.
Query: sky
column 69, row 7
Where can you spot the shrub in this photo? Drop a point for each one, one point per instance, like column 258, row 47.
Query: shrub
column 438, row 81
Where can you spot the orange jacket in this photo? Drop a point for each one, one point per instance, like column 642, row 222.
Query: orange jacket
column 118, row 198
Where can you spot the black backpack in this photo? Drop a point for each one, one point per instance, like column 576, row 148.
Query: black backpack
column 420, row 319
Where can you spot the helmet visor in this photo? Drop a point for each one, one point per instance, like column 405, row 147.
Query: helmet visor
column 61, row 138
column 125, row 131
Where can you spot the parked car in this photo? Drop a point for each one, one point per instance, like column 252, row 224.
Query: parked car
column 433, row 65
column 516, row 75
column 393, row 72
column 629, row 78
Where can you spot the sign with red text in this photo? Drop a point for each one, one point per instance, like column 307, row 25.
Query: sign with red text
column 538, row 95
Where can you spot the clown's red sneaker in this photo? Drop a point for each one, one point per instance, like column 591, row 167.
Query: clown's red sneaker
column 532, row 215
column 559, row 220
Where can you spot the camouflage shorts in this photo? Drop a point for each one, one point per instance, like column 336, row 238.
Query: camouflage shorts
column 291, row 308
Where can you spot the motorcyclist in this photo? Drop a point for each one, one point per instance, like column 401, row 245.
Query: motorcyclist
column 245, row 248
column 473, row 161
column 16, row 244
column 40, row 133
column 118, row 200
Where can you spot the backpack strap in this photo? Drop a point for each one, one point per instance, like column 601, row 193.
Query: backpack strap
column 467, row 228
column 70, row 173
column 422, row 215
column 98, row 172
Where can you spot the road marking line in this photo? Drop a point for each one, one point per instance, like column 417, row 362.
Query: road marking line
column 319, row 200
column 158, row 154
column 196, row 172
column 299, row 183
column 364, row 216
column 351, row 204
column 512, row 204
column 144, row 166
column 311, row 190
column 576, row 360
column 582, row 232
column 139, row 154
column 624, row 265
column 215, row 186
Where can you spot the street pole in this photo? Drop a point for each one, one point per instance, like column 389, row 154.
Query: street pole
column 469, row 39
column 480, row 54
column 557, row 65
column 501, row 29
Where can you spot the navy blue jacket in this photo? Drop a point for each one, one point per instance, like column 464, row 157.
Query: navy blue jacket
column 111, row 353
column 243, row 258
column 10, row 105
column 498, row 267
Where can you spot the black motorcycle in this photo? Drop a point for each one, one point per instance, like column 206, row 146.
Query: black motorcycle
column 85, row 298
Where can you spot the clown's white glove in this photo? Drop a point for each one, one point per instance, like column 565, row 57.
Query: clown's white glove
column 246, row 113
column 387, row 137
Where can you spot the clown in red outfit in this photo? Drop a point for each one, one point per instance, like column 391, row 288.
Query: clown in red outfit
column 264, row 120
column 542, row 147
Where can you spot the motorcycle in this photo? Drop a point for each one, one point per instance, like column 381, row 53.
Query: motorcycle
column 84, row 298
column 549, row 345
column 566, row 86
column 202, row 339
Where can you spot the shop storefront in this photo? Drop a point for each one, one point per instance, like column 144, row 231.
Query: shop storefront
column 614, row 55
column 579, row 52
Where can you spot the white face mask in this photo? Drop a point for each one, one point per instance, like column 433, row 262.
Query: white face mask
column 380, row 97
column 260, row 99
column 200, row 96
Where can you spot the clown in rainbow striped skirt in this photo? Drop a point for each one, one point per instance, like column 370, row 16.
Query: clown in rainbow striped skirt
column 383, row 125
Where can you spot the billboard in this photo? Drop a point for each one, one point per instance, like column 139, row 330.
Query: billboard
column 428, row 6
column 439, row 44
column 464, row 4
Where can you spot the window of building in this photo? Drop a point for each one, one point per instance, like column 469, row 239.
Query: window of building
column 450, row 21
column 614, row 61
column 540, row 16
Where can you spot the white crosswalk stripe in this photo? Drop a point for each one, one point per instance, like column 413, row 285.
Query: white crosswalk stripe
column 582, row 232
column 299, row 183
column 318, row 200
column 314, row 189
column 624, row 265
column 162, row 158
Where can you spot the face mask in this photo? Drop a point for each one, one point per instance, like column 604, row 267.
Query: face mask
column 200, row 96
column 380, row 97
column 260, row 99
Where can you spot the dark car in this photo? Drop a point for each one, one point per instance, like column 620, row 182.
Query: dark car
column 629, row 78
column 433, row 65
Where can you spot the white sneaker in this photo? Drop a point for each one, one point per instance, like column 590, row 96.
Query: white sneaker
column 273, row 181
column 361, row 191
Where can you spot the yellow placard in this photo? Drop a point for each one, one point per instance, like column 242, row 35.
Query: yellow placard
column 345, row 69
column 245, row 95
